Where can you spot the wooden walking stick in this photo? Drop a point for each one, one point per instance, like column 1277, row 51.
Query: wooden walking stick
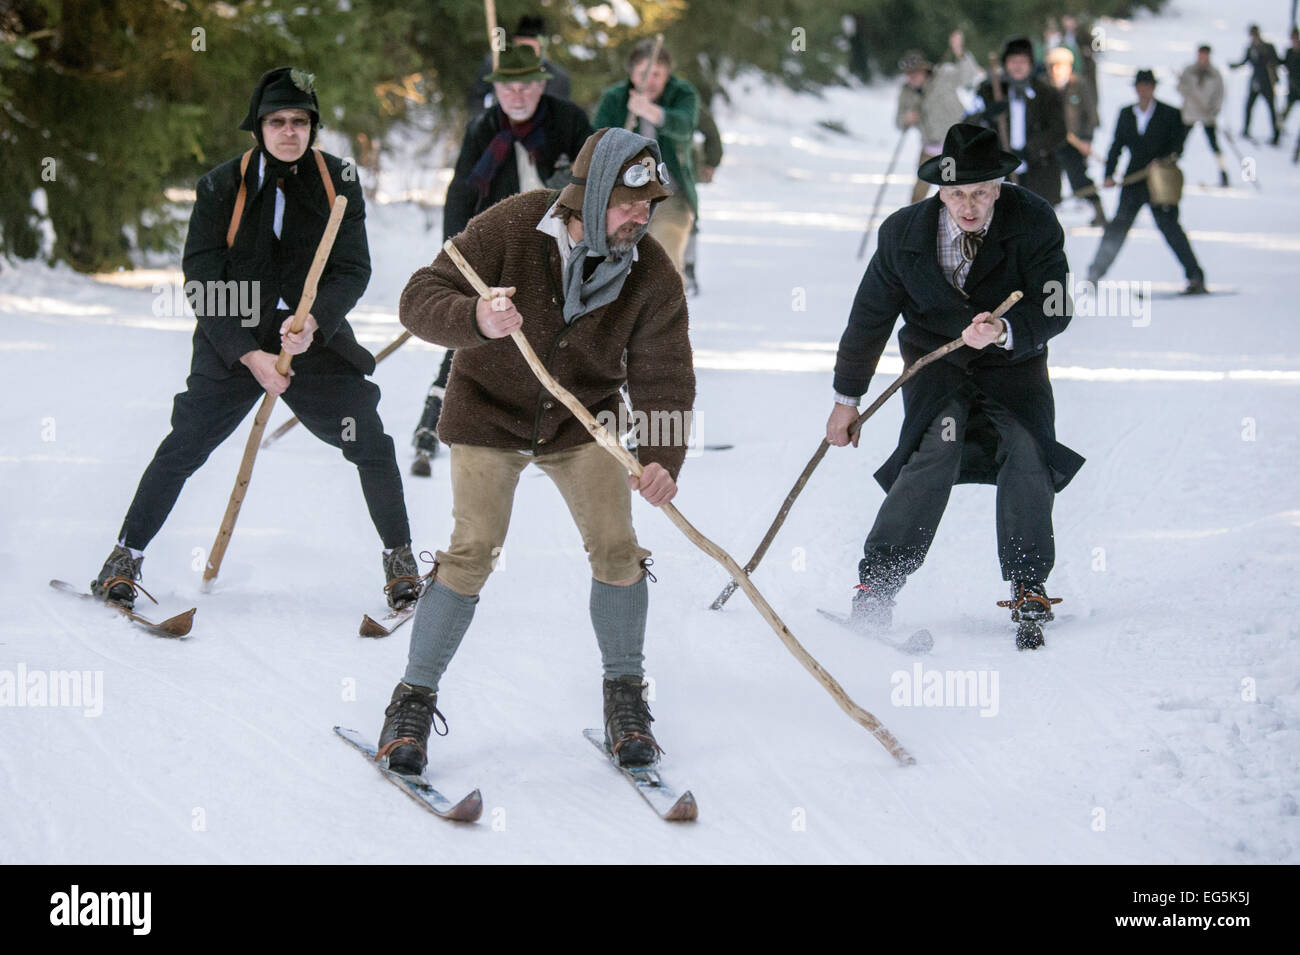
column 816, row 459
column 611, row 444
column 245, row 474
column 880, row 194
column 631, row 121
column 490, row 14
column 288, row 426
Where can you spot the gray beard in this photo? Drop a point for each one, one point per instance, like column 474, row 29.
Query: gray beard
column 621, row 248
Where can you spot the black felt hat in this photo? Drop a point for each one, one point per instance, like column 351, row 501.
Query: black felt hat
column 285, row 87
column 1144, row 76
column 1017, row 44
column 970, row 154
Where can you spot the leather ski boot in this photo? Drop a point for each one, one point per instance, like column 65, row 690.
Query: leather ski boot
column 402, row 576
column 627, row 723
column 116, row 580
column 404, row 740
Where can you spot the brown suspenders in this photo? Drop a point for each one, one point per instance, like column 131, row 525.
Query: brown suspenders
column 238, row 214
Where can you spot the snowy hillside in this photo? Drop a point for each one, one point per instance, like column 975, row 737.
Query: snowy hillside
column 1161, row 723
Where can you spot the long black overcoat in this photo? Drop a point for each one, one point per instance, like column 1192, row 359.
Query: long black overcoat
column 280, row 266
column 1024, row 251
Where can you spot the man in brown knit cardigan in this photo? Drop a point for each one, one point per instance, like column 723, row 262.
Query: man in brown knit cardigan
column 602, row 305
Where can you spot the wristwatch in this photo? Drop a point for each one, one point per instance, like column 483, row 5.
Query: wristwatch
column 1002, row 339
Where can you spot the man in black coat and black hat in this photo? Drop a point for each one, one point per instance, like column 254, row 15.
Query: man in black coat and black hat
column 1152, row 132
column 1035, row 119
column 257, row 222
column 985, row 412
column 526, row 140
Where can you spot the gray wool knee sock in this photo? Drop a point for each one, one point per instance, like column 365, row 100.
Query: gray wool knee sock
column 618, row 615
column 440, row 623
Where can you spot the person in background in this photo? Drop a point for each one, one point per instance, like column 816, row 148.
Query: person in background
column 663, row 107
column 1292, row 63
column 1035, row 119
column 1149, row 130
column 525, row 140
column 1263, row 60
column 1201, row 86
column 1080, row 123
column 530, row 31
column 930, row 98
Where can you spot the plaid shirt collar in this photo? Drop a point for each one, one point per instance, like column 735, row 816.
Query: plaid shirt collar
column 949, row 246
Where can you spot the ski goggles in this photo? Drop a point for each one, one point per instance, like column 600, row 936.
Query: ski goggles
column 644, row 171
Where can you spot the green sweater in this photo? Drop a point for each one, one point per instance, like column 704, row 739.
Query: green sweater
column 681, row 106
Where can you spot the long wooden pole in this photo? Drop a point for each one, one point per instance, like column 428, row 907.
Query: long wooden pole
column 816, row 459
column 218, row 552
column 288, row 426
column 490, row 13
column 611, row 444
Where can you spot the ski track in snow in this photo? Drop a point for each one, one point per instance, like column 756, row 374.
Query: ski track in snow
column 1159, row 725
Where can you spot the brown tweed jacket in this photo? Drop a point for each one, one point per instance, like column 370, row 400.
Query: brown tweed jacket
column 493, row 399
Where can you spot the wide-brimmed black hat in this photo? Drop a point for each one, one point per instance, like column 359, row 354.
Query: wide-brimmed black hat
column 1144, row 76
column 970, row 154
column 285, row 87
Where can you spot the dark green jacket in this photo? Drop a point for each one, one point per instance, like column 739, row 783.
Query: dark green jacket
column 681, row 105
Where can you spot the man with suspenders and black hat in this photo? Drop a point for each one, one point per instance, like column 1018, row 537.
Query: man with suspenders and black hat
column 255, row 228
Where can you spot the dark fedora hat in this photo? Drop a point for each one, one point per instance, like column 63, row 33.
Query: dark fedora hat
column 1144, row 76
column 970, row 154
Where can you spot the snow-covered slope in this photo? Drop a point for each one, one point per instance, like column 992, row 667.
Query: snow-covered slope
column 1160, row 723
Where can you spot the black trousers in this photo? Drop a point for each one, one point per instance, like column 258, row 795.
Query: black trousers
column 1211, row 133
column 907, row 520
column 1075, row 166
column 334, row 401
column 1255, row 93
column 1131, row 199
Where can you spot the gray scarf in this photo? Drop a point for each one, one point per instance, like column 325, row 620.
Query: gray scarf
column 615, row 148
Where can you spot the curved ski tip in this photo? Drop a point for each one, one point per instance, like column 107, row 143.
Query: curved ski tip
column 468, row 809
column 179, row 625
column 685, row 809
column 369, row 628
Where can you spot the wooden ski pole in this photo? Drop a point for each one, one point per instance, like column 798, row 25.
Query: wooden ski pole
column 218, row 552
column 288, row 426
column 631, row 121
column 880, row 194
column 490, row 14
column 611, row 444
column 1138, row 176
column 816, row 459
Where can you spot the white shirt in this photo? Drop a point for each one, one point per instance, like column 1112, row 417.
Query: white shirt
column 528, row 177
column 1143, row 118
column 560, row 232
